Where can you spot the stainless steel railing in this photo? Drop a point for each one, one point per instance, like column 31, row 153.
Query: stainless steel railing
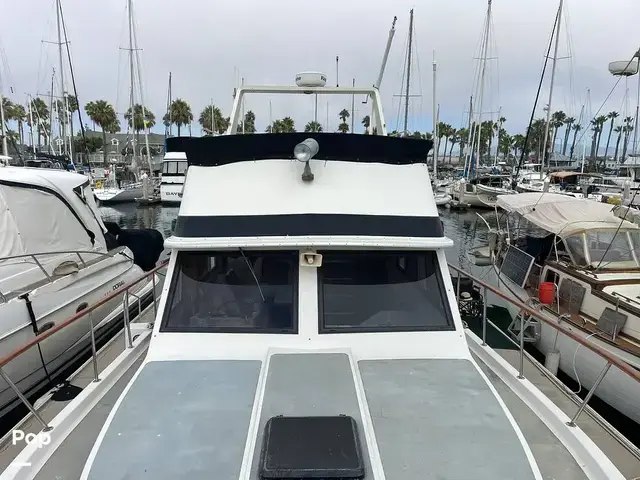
column 526, row 309
column 87, row 311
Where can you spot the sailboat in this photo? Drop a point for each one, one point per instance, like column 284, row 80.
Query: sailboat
column 129, row 191
column 480, row 191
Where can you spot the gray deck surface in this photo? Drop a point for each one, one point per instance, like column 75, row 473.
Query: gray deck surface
column 438, row 419
column 68, row 460
column 181, row 420
column 555, row 462
column 315, row 384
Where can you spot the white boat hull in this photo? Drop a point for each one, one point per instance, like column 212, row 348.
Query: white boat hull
column 617, row 389
column 171, row 192
column 118, row 195
column 53, row 304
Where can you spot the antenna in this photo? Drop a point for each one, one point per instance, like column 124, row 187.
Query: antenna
column 337, row 70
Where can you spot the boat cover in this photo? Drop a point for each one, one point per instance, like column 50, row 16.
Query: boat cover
column 563, row 215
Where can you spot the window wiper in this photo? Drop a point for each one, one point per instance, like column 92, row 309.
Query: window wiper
column 253, row 273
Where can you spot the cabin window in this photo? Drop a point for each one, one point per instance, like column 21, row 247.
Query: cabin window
column 229, row 292
column 381, row 292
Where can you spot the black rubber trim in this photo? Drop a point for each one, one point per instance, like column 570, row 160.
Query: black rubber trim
column 8, row 183
column 308, row 224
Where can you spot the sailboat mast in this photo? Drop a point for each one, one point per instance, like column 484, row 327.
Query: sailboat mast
column 406, row 102
column 553, row 76
column 635, row 123
column 5, row 150
column 132, row 82
column 31, row 124
column 435, row 122
column 61, row 118
column 485, row 47
column 167, row 130
column 353, row 105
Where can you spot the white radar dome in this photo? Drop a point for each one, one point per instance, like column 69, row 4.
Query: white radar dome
column 624, row 68
column 311, row 79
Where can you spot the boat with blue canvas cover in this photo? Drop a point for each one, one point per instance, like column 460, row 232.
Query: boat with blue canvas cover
column 309, row 309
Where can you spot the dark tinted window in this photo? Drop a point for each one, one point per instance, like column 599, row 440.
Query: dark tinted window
column 217, row 292
column 382, row 291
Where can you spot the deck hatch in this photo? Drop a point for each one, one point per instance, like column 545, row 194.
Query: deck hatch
column 311, row 447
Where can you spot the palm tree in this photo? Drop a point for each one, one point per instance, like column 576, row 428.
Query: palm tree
column 212, row 117
column 594, row 138
column 627, row 129
column 517, row 144
column 443, row 132
column 618, row 130
column 343, row 127
column 139, row 121
column 288, row 125
column 343, row 115
column 499, row 130
column 40, row 113
column 179, row 114
column 313, row 126
column 463, row 138
column 601, row 120
column 557, row 120
column 249, row 122
column 576, row 128
column 19, row 115
column 366, row 123
column 486, row 136
column 611, row 116
column 506, row 142
column 104, row 115
column 453, row 139
column 72, row 107
column 568, row 122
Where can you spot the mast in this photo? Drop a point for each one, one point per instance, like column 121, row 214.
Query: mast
column 144, row 111
column 635, row 123
column 484, row 69
column 435, row 122
column 5, row 150
column 467, row 159
column 167, row 129
column 52, row 150
column 406, row 102
column 495, row 160
column 132, row 81
column 61, row 119
column 553, row 76
column 353, row 105
column 243, row 117
column 30, row 100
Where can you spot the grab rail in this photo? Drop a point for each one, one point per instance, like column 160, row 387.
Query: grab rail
column 87, row 311
column 79, row 253
column 611, row 359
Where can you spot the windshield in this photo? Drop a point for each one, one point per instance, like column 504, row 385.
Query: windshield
column 382, row 291
column 605, row 249
column 232, row 292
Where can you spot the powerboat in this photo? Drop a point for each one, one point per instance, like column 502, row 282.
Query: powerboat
column 482, row 191
column 174, row 171
column 320, row 319
column 576, row 262
column 56, row 259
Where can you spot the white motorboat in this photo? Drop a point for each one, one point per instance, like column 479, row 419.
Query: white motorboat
column 174, row 170
column 585, row 260
column 442, row 199
column 482, row 191
column 319, row 319
column 54, row 262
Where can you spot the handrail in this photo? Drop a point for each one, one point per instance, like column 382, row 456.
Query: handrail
column 19, row 351
column 613, row 360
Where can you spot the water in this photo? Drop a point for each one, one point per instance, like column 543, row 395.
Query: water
column 465, row 228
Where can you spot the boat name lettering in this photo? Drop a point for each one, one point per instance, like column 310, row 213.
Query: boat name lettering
column 118, row 285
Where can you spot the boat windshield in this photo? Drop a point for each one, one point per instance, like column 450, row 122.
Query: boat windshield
column 605, row 249
column 171, row 167
column 233, row 292
column 382, row 291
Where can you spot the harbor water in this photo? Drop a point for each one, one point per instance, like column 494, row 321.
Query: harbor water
column 465, row 228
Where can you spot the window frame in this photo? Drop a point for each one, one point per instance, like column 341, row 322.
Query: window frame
column 448, row 313
column 166, row 328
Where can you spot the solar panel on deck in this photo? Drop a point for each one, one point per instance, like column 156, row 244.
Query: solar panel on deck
column 517, row 265
column 311, row 447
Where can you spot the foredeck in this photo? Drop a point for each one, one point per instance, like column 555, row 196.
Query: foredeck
column 552, row 457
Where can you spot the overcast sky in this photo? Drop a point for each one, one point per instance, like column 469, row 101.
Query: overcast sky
column 208, row 46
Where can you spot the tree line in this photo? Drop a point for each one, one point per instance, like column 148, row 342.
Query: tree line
column 562, row 138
